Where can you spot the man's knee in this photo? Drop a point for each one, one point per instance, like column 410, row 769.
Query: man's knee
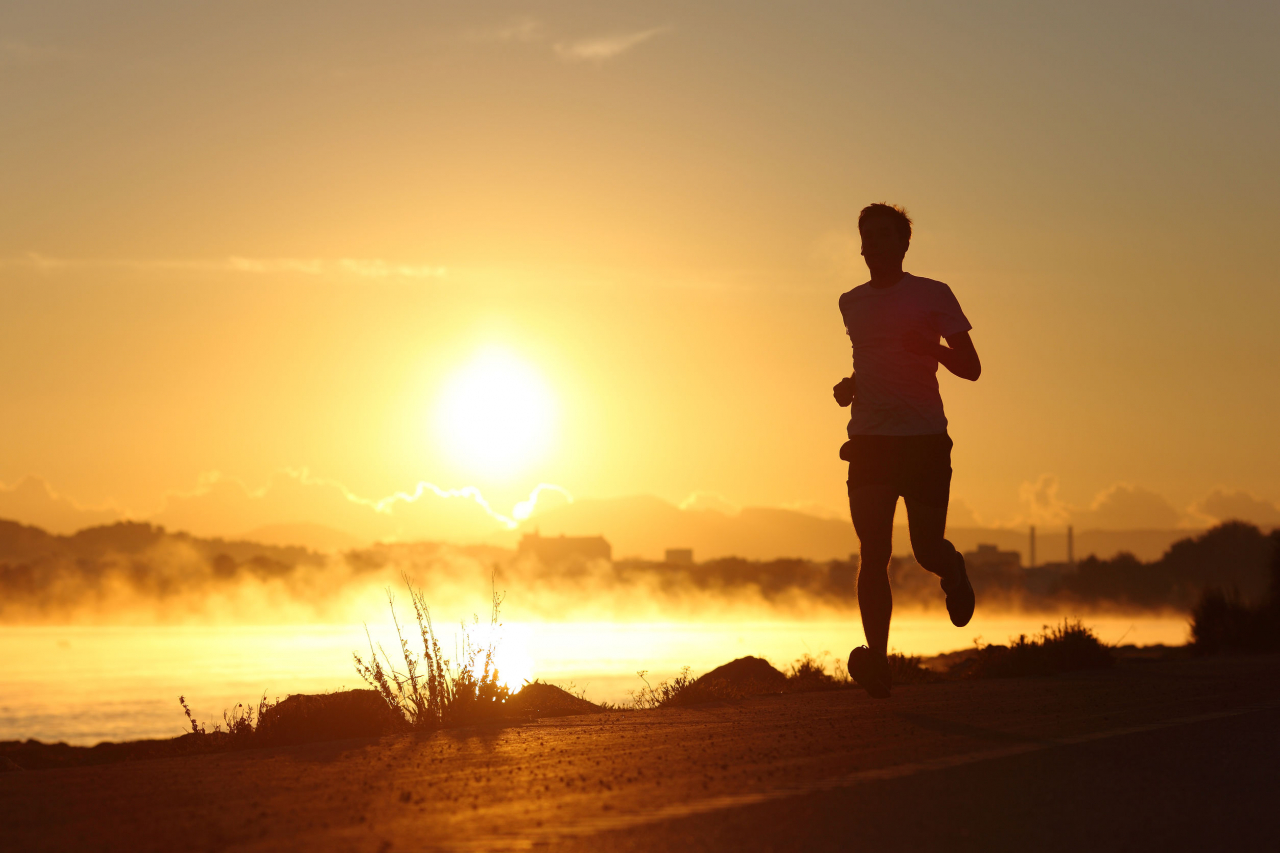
column 935, row 555
column 873, row 568
column 875, row 558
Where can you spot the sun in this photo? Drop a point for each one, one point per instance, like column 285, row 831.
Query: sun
column 496, row 415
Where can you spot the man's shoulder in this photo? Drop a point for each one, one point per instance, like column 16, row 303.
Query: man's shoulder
column 850, row 295
column 932, row 290
column 927, row 283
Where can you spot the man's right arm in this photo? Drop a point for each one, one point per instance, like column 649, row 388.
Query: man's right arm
column 845, row 390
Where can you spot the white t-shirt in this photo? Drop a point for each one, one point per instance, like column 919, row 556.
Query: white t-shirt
column 898, row 389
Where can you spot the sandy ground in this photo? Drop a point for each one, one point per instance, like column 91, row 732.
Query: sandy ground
column 1166, row 755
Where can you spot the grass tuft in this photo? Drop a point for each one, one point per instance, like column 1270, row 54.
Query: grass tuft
column 1068, row 647
column 907, row 669
column 682, row 691
column 432, row 691
column 809, row 674
column 242, row 721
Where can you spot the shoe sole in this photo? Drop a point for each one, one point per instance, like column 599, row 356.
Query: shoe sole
column 962, row 619
column 874, row 686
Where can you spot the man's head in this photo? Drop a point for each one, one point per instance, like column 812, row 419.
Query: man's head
column 886, row 234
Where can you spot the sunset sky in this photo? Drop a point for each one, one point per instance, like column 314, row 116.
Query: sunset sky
column 245, row 237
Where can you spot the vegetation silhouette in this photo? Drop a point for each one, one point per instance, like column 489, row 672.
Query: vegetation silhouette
column 433, row 692
column 44, row 576
column 1223, row 621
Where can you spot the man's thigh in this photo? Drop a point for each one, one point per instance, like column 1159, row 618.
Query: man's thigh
column 926, row 520
column 872, row 508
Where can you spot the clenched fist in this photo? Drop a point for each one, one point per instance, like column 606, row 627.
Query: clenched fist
column 845, row 390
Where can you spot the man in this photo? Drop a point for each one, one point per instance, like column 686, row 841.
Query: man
column 898, row 443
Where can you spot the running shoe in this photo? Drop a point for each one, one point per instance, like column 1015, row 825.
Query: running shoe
column 872, row 675
column 960, row 598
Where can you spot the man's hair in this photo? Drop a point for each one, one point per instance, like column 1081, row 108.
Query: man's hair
column 896, row 215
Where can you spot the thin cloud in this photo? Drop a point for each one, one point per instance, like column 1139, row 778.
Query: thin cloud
column 276, row 265
column 521, row 30
column 378, row 268
column 359, row 267
column 601, row 48
column 225, row 506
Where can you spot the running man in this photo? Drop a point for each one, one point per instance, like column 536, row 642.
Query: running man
column 898, row 443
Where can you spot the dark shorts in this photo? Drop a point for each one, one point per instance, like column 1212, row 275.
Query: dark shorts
column 914, row 466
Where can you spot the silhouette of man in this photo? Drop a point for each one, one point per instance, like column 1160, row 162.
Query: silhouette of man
column 898, row 443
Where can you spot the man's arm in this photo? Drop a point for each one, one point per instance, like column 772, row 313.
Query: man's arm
column 958, row 356
column 846, row 389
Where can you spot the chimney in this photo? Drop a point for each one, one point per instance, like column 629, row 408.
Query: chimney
column 1031, row 562
column 1071, row 546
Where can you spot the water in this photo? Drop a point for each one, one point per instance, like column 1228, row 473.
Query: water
column 87, row 684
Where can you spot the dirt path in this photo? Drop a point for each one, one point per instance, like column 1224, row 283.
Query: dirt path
column 1181, row 753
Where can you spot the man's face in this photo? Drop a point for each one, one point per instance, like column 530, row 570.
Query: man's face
column 882, row 244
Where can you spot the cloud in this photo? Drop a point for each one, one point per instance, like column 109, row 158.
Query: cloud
column 960, row 514
column 1040, row 502
column 601, row 48
column 1128, row 507
column 1221, row 505
column 522, row 30
column 33, row 501
column 358, row 267
column 709, row 502
column 378, row 268
column 817, row 510
column 224, row 506
column 1122, row 506
column 275, row 265
column 537, row 503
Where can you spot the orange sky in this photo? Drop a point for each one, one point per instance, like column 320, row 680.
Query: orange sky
column 244, row 238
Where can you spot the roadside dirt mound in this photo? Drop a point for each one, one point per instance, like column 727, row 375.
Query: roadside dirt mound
column 746, row 676
column 307, row 718
column 539, row 699
column 34, row 755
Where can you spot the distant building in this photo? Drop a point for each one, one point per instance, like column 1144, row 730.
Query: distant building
column 1046, row 578
column 679, row 557
column 989, row 565
column 556, row 550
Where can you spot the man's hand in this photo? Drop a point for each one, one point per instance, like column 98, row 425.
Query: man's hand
column 846, row 389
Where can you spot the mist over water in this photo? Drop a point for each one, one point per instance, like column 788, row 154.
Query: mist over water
column 100, row 643
column 89, row 683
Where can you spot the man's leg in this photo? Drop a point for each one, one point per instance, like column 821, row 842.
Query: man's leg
column 928, row 525
column 872, row 510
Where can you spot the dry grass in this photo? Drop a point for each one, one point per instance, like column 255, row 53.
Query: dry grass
column 1068, row 647
column 681, row 691
column 809, row 674
column 432, row 691
column 241, row 721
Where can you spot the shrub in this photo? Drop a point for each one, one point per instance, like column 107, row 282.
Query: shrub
column 906, row 669
column 432, row 691
column 1063, row 648
column 1223, row 623
column 682, row 691
column 809, row 674
column 242, row 721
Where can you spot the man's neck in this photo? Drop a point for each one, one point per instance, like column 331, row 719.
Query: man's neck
column 883, row 278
